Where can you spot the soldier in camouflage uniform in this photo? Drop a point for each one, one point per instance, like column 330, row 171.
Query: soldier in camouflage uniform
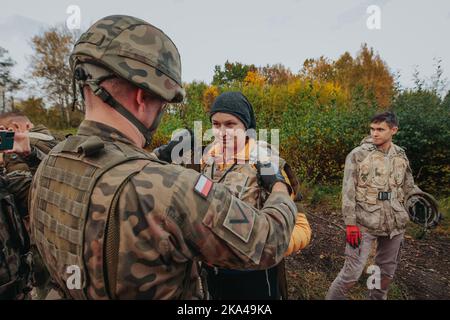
column 32, row 143
column 111, row 220
column 14, row 239
column 39, row 141
column 377, row 178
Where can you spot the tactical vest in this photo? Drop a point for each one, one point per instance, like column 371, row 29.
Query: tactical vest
column 74, row 172
column 242, row 181
column 380, row 172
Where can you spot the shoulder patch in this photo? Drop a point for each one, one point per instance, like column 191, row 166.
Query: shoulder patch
column 203, row 186
column 240, row 219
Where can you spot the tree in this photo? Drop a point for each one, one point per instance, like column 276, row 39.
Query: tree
column 438, row 82
column 424, row 133
column 8, row 84
column 276, row 74
column 321, row 69
column 367, row 71
column 232, row 71
column 374, row 74
column 35, row 110
column 446, row 101
column 50, row 67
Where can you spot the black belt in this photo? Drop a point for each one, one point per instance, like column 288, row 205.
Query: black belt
column 382, row 195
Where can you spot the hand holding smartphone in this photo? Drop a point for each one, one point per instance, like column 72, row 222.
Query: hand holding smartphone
column 6, row 140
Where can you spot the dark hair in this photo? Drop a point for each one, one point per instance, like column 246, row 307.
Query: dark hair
column 120, row 86
column 389, row 117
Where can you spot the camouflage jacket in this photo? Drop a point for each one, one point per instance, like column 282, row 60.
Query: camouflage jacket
column 19, row 168
column 240, row 176
column 14, row 240
column 167, row 217
column 367, row 172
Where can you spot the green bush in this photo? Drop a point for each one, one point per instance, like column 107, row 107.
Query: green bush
column 425, row 134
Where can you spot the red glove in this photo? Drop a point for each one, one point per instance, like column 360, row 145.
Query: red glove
column 353, row 236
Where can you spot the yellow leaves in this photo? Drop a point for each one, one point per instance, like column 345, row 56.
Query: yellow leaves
column 367, row 70
column 325, row 93
column 254, row 78
column 209, row 95
column 330, row 92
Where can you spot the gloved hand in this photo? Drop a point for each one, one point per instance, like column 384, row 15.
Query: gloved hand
column 164, row 152
column 268, row 175
column 353, row 236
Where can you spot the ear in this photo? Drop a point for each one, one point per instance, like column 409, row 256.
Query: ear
column 394, row 130
column 140, row 99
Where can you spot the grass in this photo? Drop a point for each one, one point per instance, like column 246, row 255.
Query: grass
column 327, row 197
column 444, row 208
column 314, row 285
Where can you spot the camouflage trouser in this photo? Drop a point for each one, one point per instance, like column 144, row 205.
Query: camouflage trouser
column 387, row 257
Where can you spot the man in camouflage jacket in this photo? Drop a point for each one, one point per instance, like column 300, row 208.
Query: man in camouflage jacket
column 377, row 178
column 32, row 143
column 111, row 220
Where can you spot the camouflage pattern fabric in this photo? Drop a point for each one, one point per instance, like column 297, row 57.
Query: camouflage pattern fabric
column 242, row 180
column 19, row 172
column 134, row 50
column 367, row 172
column 14, row 243
column 163, row 225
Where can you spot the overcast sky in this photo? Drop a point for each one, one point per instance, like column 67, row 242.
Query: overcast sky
column 209, row 32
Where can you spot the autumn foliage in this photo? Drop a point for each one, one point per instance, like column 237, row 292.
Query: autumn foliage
column 322, row 110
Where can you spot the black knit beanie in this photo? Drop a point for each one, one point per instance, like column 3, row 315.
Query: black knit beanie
column 235, row 103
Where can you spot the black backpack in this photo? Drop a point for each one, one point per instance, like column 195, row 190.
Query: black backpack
column 15, row 257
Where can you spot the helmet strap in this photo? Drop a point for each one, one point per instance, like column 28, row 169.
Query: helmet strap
column 107, row 98
column 82, row 77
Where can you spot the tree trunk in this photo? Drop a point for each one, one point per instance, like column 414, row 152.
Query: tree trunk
column 63, row 113
column 3, row 101
column 67, row 108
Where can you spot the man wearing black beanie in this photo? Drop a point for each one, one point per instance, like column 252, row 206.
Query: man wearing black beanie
column 231, row 160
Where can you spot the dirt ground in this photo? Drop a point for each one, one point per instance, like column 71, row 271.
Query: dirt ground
column 423, row 272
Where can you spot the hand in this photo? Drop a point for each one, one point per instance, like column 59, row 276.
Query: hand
column 164, row 152
column 269, row 175
column 353, row 236
column 21, row 138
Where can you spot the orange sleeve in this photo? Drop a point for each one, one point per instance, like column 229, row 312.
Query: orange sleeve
column 301, row 235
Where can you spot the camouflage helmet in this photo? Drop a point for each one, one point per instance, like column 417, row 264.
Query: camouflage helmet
column 423, row 209
column 134, row 50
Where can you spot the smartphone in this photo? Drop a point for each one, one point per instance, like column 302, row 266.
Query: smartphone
column 6, row 140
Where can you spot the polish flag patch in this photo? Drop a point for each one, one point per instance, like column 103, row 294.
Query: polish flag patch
column 203, row 186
